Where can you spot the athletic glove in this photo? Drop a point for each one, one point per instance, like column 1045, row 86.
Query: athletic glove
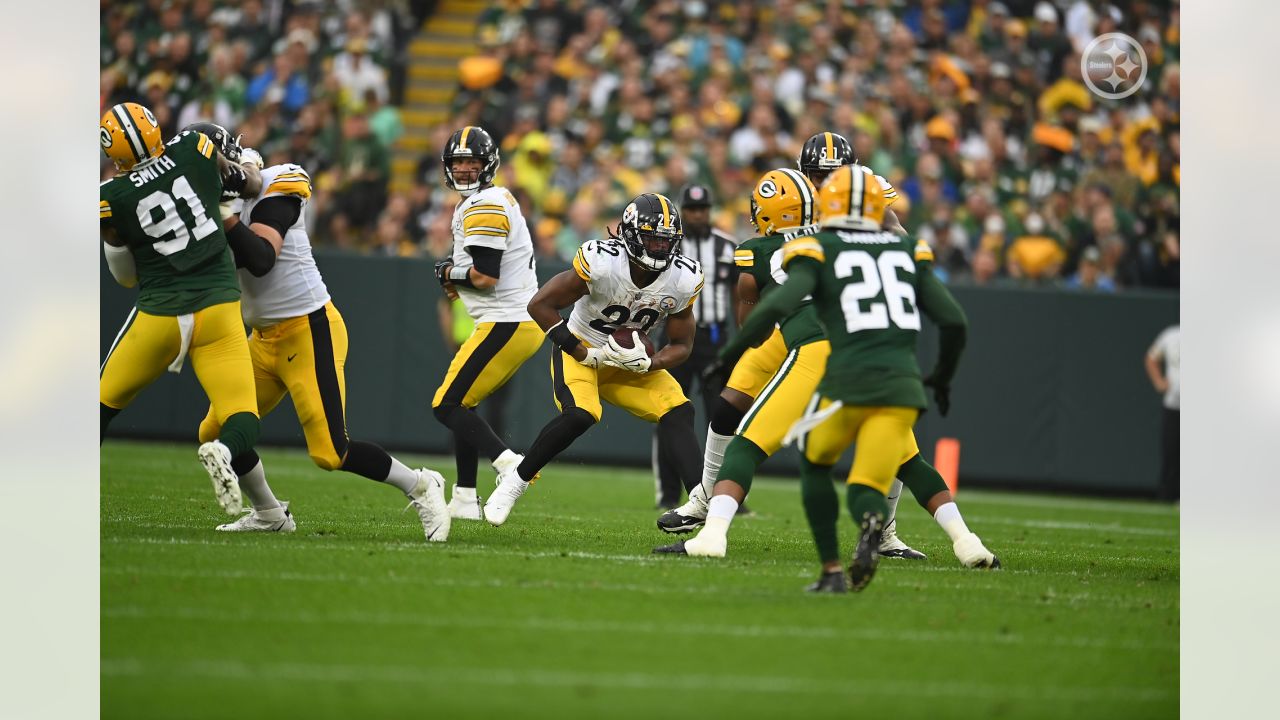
column 442, row 271
column 716, row 374
column 633, row 359
column 595, row 358
column 941, row 395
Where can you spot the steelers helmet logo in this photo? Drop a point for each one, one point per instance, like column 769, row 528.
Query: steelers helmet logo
column 629, row 215
column 767, row 189
column 104, row 136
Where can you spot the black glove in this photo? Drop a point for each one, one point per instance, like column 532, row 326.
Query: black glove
column 442, row 272
column 233, row 182
column 716, row 373
column 941, row 395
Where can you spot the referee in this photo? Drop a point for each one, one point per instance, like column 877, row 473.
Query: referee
column 715, row 315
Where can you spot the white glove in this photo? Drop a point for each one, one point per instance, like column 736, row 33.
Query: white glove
column 633, row 359
column 595, row 358
column 231, row 207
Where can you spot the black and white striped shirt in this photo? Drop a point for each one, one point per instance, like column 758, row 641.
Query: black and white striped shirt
column 715, row 253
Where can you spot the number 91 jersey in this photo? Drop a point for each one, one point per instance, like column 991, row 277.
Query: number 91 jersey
column 614, row 301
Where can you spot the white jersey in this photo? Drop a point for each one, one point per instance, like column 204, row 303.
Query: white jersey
column 491, row 218
column 890, row 193
column 614, row 301
column 293, row 287
column 1168, row 347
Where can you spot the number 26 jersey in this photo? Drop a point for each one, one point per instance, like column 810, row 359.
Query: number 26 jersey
column 614, row 301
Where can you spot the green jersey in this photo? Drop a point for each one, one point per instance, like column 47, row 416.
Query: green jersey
column 866, row 302
column 761, row 257
column 166, row 212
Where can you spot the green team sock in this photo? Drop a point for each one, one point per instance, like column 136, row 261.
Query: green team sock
column 741, row 459
column 240, row 433
column 864, row 500
column 105, row 416
column 921, row 479
column 821, row 508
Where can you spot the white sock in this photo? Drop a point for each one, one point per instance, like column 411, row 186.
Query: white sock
column 713, row 458
column 254, row 485
column 895, row 492
column 948, row 516
column 402, row 477
column 720, row 512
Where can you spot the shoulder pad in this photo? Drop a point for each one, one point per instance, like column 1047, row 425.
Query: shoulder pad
column 287, row 179
column 923, row 253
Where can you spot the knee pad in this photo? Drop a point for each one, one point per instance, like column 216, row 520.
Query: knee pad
column 725, row 418
column 443, row 411
column 678, row 415
column 579, row 419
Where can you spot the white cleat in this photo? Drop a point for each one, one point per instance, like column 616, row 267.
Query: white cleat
column 510, row 487
column 216, row 459
column 428, row 499
column 893, row 547
column 972, row 553
column 705, row 545
column 465, row 504
column 274, row 520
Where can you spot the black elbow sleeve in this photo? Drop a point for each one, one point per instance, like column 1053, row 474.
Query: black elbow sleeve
column 251, row 251
column 487, row 261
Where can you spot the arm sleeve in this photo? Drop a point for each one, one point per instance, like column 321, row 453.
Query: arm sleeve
column 279, row 212
column 802, row 278
column 486, row 260
column 120, row 262
column 250, row 250
column 953, row 327
column 485, row 224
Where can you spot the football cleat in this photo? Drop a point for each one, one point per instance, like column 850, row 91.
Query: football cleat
column 707, row 545
column 676, row 548
column 686, row 518
column 829, row 582
column 465, row 504
column 972, row 553
column 253, row 520
column 216, row 459
column 428, row 499
column 892, row 547
column 510, row 487
column 865, row 556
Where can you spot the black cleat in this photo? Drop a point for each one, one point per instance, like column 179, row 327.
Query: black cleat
column 672, row 549
column 744, row 511
column 829, row 582
column 866, row 555
column 891, row 546
column 672, row 521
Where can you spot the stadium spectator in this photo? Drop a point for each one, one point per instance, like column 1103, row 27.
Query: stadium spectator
column 1163, row 363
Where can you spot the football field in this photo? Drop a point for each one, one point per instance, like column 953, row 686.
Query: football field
column 563, row 612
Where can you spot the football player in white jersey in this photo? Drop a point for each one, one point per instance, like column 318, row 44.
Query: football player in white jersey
column 492, row 272
column 298, row 347
column 633, row 280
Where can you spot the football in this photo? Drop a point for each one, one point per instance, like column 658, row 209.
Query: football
column 623, row 336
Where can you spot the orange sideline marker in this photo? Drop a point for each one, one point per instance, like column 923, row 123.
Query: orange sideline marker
column 946, row 459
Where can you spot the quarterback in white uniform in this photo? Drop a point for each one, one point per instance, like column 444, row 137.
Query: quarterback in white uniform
column 634, row 281
column 299, row 348
column 492, row 271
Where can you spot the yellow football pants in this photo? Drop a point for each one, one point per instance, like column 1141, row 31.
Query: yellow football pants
column 758, row 365
column 218, row 352
column 786, row 397
column 884, row 437
column 305, row 358
column 487, row 360
column 648, row 396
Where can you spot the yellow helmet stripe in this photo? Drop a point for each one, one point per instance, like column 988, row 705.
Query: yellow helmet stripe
column 831, row 146
column 131, row 134
column 806, row 197
column 666, row 215
column 856, row 187
column 462, row 141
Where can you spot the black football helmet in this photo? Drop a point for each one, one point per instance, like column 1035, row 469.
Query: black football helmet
column 651, row 231
column 823, row 153
column 229, row 146
column 471, row 142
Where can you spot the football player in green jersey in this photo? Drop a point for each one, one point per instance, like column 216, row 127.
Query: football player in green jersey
column 162, row 231
column 865, row 284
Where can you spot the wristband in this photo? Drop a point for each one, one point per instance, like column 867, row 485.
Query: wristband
column 460, row 276
column 563, row 337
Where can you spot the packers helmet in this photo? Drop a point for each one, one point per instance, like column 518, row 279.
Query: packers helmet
column 852, row 197
column 130, row 134
column 471, row 142
column 823, row 153
column 783, row 198
column 651, row 231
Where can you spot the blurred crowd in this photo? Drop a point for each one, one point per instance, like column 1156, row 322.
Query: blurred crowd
column 1006, row 162
column 309, row 82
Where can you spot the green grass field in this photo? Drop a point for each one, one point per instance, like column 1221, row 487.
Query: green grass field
column 562, row 612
